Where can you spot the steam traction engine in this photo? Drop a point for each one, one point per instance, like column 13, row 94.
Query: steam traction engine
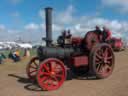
column 74, row 56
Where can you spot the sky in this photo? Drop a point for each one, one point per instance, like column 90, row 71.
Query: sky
column 25, row 19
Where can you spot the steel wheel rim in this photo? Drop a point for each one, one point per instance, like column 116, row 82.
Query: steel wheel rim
column 32, row 68
column 104, row 61
column 51, row 74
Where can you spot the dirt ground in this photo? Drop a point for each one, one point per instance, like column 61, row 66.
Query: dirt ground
column 14, row 82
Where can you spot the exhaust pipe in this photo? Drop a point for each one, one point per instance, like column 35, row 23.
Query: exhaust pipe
column 48, row 22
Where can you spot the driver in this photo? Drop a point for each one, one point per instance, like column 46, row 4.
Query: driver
column 98, row 32
column 106, row 34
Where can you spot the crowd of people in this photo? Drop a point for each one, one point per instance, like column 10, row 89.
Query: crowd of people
column 14, row 55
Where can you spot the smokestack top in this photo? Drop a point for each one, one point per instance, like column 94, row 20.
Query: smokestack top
column 48, row 8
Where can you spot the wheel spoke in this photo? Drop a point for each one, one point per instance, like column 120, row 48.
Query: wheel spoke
column 58, row 75
column 45, row 73
column 55, row 67
column 33, row 71
column 110, row 57
column 107, row 67
column 50, row 83
column 106, row 52
column 35, row 64
column 37, row 61
column 33, row 67
column 33, row 76
column 100, row 57
column 58, row 71
column 97, row 59
column 108, row 62
column 101, row 52
column 55, row 79
column 43, row 79
column 98, row 62
column 46, row 68
column 102, row 69
column 52, row 66
column 98, row 67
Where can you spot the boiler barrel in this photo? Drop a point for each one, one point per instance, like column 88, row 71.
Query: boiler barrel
column 54, row 52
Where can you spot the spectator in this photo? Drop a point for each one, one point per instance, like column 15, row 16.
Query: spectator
column 26, row 53
column 2, row 56
column 15, row 56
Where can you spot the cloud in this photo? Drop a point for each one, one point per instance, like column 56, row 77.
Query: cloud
column 31, row 26
column 56, row 29
column 12, row 31
column 79, row 26
column 42, row 14
column 66, row 16
column 2, row 28
column 121, row 5
column 61, row 17
column 118, row 28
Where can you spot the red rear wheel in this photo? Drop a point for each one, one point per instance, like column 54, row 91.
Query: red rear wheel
column 102, row 60
column 51, row 74
column 32, row 68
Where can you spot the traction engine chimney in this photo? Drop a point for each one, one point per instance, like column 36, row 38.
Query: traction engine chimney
column 48, row 22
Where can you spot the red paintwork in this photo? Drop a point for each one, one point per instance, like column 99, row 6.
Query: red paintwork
column 91, row 39
column 109, row 33
column 80, row 61
column 117, row 43
column 76, row 40
column 51, row 74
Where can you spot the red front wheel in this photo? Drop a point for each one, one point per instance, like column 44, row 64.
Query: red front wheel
column 51, row 74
